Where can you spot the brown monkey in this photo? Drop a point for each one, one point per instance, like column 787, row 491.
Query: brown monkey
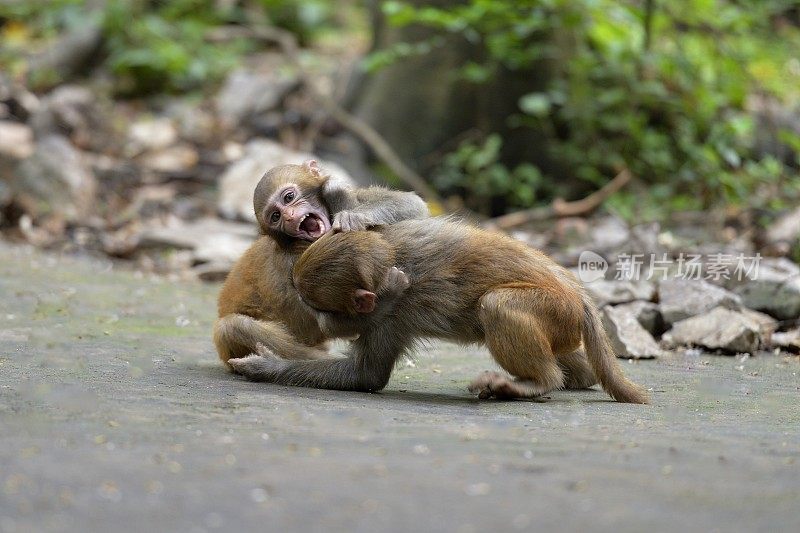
column 294, row 205
column 466, row 285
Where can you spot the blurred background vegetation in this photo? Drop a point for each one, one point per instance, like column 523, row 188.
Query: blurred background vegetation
column 502, row 104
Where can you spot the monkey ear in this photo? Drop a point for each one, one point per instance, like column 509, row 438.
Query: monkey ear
column 364, row 301
column 313, row 167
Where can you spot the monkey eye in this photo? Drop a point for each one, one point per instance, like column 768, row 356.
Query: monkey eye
column 274, row 216
column 288, row 197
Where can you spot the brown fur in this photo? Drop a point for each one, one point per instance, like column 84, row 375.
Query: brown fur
column 467, row 285
column 258, row 304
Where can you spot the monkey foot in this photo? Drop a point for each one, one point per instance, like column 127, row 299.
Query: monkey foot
column 496, row 385
column 263, row 351
column 263, row 366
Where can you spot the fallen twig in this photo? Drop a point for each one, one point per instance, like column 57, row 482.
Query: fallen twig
column 562, row 208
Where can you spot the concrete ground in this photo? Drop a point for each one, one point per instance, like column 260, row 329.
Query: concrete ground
column 116, row 416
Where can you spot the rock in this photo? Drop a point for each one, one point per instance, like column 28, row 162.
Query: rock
column 55, row 180
column 773, row 289
column 721, row 329
column 16, row 140
column 17, row 99
column 222, row 248
column 616, row 292
column 571, row 231
column 647, row 314
column 5, row 198
column 195, row 123
column 70, row 110
column 177, row 159
column 247, row 94
column 151, row 134
column 680, row 299
column 212, row 271
column 787, row 340
column 608, row 233
column 766, row 323
column 237, row 184
column 628, row 337
column 784, row 233
column 212, row 240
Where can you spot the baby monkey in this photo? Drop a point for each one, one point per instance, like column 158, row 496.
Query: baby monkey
column 443, row 279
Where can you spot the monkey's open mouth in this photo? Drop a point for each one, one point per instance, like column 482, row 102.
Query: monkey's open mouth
column 313, row 227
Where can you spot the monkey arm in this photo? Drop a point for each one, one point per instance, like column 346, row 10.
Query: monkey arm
column 367, row 369
column 237, row 335
column 376, row 206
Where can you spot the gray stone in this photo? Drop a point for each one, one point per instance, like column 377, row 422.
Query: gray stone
column 787, row 340
column 16, row 140
column 176, row 159
column 195, row 123
column 246, row 94
column 612, row 292
column 785, row 231
column 69, row 110
column 647, row 314
column 212, row 240
column 773, row 289
column 237, row 184
column 764, row 321
column 608, row 233
column 629, row 339
column 56, row 180
column 680, row 299
column 151, row 134
column 721, row 329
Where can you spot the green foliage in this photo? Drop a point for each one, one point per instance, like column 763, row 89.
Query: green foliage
column 303, row 18
column 662, row 93
column 475, row 172
column 164, row 48
column 154, row 46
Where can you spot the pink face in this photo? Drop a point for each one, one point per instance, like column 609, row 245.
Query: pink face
column 300, row 217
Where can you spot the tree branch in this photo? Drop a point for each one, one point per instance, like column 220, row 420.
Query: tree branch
column 562, row 208
column 288, row 45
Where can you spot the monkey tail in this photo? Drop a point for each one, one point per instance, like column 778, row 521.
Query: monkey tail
column 603, row 360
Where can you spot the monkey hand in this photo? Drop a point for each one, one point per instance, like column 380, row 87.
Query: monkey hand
column 350, row 221
column 395, row 283
column 262, row 367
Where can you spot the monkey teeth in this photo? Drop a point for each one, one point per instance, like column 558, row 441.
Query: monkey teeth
column 311, row 225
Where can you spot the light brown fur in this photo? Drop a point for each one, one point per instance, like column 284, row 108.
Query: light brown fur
column 467, row 285
column 258, row 304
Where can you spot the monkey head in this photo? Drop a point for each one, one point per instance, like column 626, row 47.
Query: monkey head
column 343, row 272
column 288, row 203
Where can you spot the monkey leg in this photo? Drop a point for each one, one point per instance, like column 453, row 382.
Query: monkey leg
column 577, row 372
column 525, row 329
column 367, row 369
column 238, row 335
